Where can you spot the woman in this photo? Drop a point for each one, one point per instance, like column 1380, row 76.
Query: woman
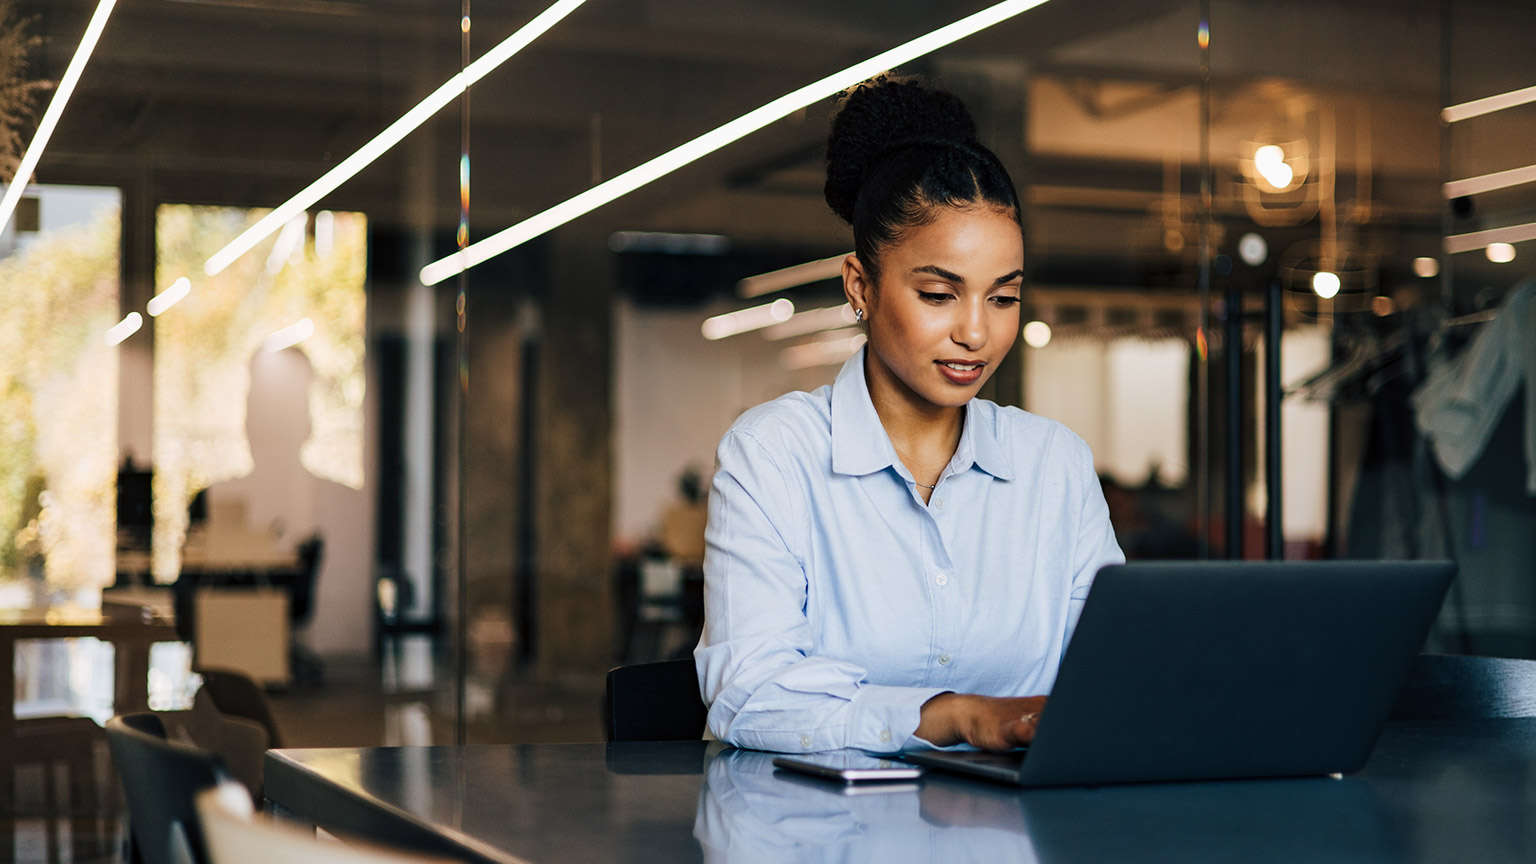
column 891, row 562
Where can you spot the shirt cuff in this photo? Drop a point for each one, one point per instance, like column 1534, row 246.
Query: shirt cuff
column 885, row 718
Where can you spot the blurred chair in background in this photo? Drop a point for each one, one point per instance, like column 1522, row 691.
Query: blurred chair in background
column 237, row 695
column 660, row 624
column 160, row 778
column 306, row 665
column 49, row 743
column 240, row 743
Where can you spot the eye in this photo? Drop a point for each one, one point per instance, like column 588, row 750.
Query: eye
column 935, row 296
column 1005, row 302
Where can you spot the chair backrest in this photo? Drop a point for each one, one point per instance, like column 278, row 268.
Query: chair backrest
column 236, row 836
column 240, row 744
column 236, row 694
column 654, row 702
column 160, row 778
column 302, row 591
column 1452, row 687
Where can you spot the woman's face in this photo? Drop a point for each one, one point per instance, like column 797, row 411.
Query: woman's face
column 946, row 309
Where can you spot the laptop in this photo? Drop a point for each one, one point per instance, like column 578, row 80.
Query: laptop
column 1224, row 669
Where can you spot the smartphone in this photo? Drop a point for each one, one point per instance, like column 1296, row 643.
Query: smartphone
column 849, row 767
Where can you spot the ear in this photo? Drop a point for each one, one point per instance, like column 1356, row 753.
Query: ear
column 857, row 286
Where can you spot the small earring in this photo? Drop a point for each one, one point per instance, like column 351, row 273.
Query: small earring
column 858, row 316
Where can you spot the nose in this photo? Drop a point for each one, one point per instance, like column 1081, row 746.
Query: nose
column 970, row 330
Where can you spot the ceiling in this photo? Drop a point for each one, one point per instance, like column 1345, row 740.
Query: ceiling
column 1095, row 102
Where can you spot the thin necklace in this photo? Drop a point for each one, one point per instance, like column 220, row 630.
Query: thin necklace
column 926, row 486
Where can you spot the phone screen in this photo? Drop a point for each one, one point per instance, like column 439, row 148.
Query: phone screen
column 849, row 767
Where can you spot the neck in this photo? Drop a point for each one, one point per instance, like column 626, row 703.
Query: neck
column 925, row 435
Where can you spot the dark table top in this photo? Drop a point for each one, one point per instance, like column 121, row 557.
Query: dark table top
column 1448, row 791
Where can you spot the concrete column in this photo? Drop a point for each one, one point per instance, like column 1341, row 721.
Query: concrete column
column 491, row 438
column 573, row 462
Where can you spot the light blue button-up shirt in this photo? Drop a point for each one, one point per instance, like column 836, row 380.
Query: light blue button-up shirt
column 837, row 602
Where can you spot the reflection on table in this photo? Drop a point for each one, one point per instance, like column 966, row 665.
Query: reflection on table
column 1432, row 791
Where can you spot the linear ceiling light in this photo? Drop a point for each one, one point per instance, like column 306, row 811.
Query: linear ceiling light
column 1490, row 182
column 1480, row 239
column 169, row 297
column 812, row 321
column 789, row 277
column 709, row 142
column 744, row 320
column 289, row 336
column 344, row 171
column 824, row 353
column 124, row 328
column 50, row 119
column 1488, row 105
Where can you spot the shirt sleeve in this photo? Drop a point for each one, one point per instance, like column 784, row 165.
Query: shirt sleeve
column 764, row 688
column 1095, row 545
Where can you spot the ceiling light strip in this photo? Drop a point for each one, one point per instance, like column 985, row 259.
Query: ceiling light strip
column 124, row 328
column 1480, row 239
column 381, row 143
column 55, row 108
column 1490, row 182
column 790, row 277
column 709, row 142
column 746, row 320
column 811, row 321
column 1488, row 105
column 169, row 297
column 289, row 336
column 828, row 353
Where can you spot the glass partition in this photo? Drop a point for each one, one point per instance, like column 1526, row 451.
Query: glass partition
column 58, row 460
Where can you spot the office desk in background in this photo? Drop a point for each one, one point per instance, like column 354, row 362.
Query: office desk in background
column 131, row 636
column 1463, row 792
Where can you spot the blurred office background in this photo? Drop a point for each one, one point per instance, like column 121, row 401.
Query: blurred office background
column 476, row 497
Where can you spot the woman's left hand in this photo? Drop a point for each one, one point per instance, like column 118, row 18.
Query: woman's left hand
column 985, row 722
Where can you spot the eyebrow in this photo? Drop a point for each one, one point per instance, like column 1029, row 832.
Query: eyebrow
column 935, row 270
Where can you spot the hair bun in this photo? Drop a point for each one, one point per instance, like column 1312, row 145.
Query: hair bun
column 880, row 112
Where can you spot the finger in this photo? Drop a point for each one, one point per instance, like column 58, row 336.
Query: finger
column 1017, row 733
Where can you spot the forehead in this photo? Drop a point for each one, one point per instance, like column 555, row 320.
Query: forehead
column 979, row 242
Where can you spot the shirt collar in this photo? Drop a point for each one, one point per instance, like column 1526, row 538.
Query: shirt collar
column 978, row 442
column 861, row 446
column 859, row 443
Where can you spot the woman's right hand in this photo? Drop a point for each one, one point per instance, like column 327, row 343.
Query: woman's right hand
column 984, row 722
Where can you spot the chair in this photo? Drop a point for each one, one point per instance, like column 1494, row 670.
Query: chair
column 237, row 695
column 240, row 743
column 160, row 778
column 654, row 702
column 50, row 742
column 306, row 665
column 1454, row 687
column 658, row 612
column 235, row 835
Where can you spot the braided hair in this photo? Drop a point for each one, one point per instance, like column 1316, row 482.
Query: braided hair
column 898, row 151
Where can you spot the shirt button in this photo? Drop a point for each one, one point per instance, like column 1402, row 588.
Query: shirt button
column 943, row 659
column 885, row 736
column 942, row 580
column 938, row 503
column 805, row 740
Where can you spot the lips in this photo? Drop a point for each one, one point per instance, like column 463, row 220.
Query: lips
column 961, row 372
